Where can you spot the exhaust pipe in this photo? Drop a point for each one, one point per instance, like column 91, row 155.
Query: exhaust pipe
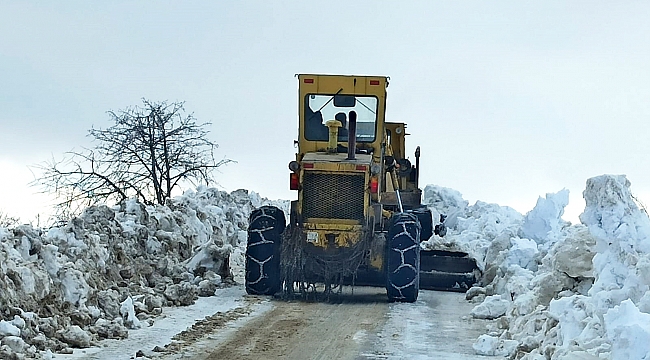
column 352, row 135
column 417, row 167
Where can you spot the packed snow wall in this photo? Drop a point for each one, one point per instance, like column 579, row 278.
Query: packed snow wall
column 552, row 289
column 114, row 269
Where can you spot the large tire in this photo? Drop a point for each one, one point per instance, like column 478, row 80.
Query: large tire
column 265, row 228
column 426, row 222
column 403, row 260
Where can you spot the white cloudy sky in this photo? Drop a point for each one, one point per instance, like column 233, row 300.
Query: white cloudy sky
column 509, row 100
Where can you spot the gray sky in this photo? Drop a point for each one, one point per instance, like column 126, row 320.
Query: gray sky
column 508, row 100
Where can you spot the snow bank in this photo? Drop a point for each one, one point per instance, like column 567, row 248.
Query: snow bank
column 113, row 269
column 569, row 291
column 472, row 228
column 554, row 290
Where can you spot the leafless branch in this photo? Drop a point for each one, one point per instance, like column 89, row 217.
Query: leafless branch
column 147, row 153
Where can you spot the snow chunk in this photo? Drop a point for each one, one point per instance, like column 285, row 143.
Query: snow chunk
column 8, row 329
column 629, row 331
column 622, row 233
column 573, row 255
column 75, row 287
column 446, row 201
column 522, row 252
column 75, row 336
column 491, row 308
column 15, row 343
column 128, row 314
column 493, row 346
column 546, row 216
column 18, row 322
column 576, row 316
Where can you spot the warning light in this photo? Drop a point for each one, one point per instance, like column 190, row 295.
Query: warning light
column 374, row 82
column 294, row 184
column 374, row 185
column 311, row 81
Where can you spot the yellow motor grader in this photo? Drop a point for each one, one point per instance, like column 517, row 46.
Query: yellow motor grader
column 358, row 218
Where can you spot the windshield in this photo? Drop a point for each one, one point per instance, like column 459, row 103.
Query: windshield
column 321, row 108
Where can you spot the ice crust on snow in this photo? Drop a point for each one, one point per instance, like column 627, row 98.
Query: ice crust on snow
column 572, row 291
column 114, row 269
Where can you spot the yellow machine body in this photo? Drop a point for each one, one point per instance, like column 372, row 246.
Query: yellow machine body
column 358, row 217
column 336, row 206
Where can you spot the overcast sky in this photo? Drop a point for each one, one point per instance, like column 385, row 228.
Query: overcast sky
column 508, row 100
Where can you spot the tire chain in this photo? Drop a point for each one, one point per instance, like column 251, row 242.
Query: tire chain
column 405, row 240
column 262, row 250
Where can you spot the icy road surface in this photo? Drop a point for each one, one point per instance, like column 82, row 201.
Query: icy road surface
column 365, row 325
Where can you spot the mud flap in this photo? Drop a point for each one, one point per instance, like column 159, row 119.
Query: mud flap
column 447, row 270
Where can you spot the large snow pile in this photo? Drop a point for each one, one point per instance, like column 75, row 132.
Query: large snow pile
column 113, row 269
column 556, row 290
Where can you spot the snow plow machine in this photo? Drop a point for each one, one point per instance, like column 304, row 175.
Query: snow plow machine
column 358, row 219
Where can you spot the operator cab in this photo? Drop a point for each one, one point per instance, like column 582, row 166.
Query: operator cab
column 321, row 108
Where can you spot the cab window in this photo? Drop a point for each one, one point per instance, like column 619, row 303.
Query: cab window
column 321, row 108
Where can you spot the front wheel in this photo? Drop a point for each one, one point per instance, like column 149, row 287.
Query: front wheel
column 265, row 228
column 403, row 265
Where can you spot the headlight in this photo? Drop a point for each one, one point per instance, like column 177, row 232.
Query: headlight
column 294, row 166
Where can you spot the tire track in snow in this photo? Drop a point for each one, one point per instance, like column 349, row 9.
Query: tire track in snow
column 437, row 326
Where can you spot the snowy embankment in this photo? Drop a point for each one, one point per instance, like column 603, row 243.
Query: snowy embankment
column 556, row 290
column 114, row 269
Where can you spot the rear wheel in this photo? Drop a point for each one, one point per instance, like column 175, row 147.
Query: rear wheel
column 426, row 222
column 403, row 261
column 265, row 228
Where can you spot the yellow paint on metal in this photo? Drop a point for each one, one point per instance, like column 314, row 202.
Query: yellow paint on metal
column 333, row 224
column 396, row 140
column 343, row 85
column 343, row 235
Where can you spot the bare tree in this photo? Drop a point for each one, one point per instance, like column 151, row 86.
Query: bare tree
column 148, row 152
column 6, row 220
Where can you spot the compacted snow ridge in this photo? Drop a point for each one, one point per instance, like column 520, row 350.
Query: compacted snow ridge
column 113, row 270
column 550, row 289
column 557, row 290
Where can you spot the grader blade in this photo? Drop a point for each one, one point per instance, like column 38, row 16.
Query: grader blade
column 447, row 270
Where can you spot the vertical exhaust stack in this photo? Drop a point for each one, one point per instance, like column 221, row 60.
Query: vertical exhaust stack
column 352, row 135
column 417, row 167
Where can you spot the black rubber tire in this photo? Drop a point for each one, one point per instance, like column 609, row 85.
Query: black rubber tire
column 403, row 259
column 265, row 228
column 426, row 222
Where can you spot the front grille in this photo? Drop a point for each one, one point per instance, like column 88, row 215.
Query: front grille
column 333, row 196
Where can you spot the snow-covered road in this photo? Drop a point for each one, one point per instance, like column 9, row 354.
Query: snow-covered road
column 233, row 325
column 437, row 326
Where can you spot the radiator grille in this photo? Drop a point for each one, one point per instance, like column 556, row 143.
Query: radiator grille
column 333, row 196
